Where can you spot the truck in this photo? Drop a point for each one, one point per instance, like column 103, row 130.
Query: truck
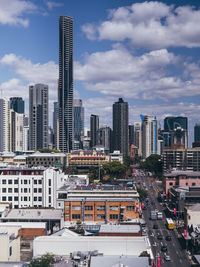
column 153, row 215
column 159, row 215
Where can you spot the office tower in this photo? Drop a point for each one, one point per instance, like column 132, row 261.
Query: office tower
column 16, row 124
column 94, row 127
column 38, row 116
column 138, row 137
column 120, row 126
column 175, row 132
column 149, row 135
column 197, row 132
column 17, row 104
column 78, row 120
column 56, row 125
column 4, row 124
column 104, row 137
column 26, row 138
column 65, row 90
column 131, row 135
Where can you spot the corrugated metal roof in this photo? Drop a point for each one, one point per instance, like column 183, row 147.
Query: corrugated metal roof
column 107, row 228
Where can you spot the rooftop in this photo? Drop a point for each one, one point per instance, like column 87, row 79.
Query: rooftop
column 34, row 214
column 52, row 154
column 179, row 172
column 106, row 228
column 195, row 207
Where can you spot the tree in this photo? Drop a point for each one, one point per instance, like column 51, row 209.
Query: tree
column 79, row 228
column 115, row 169
column 142, row 193
column 45, row 261
column 153, row 164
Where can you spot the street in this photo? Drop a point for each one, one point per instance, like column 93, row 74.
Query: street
column 174, row 250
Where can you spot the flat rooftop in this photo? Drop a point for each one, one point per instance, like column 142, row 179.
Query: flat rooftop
column 179, row 172
column 35, row 225
column 106, row 228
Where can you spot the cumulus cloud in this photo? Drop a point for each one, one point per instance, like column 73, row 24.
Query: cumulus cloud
column 151, row 25
column 51, row 4
column 12, row 12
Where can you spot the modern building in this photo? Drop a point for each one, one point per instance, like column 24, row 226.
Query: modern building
column 104, row 137
column 116, row 156
column 17, row 104
column 94, row 127
column 16, row 125
column 38, row 115
column 56, row 125
column 4, row 125
column 149, row 135
column 65, row 90
column 138, row 137
column 131, row 134
column 78, row 120
column 120, row 126
column 175, row 131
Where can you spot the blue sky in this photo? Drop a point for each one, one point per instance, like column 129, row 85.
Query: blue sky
column 146, row 52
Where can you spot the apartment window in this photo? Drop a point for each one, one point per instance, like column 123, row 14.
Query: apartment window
column 170, row 183
column 15, row 198
column 9, row 198
column 25, row 198
column 100, row 216
column 16, row 190
column 76, row 208
column 114, row 208
column 76, row 216
column 39, row 190
column 10, row 251
column 35, row 190
column 25, row 190
column 3, row 190
column 35, row 198
column 25, row 181
column 49, row 191
column 39, row 198
column 15, row 181
column 35, row 181
column 9, row 190
column 130, row 208
column 39, row 181
column 3, row 198
column 49, row 182
column 3, row 181
column 88, row 216
column 88, row 207
column 100, row 207
column 9, row 181
column 113, row 216
column 193, row 184
column 49, row 199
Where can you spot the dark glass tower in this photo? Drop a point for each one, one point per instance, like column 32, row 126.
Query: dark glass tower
column 120, row 126
column 17, row 104
column 94, row 127
column 65, row 90
column 78, row 119
column 197, row 132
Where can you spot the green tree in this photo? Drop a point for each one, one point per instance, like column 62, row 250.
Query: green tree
column 142, row 193
column 153, row 164
column 45, row 261
column 79, row 228
column 114, row 169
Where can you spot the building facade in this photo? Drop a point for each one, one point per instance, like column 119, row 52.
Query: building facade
column 56, row 125
column 4, row 125
column 38, row 115
column 104, row 137
column 78, row 120
column 16, row 125
column 94, row 127
column 120, row 126
column 17, row 104
column 65, row 90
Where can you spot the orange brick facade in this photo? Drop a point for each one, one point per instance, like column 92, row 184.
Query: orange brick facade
column 31, row 233
column 101, row 211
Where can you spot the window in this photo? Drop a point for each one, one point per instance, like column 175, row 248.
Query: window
column 88, row 216
column 88, row 207
column 129, row 208
column 39, row 198
column 35, row 198
column 16, row 190
column 9, row 181
column 193, row 184
column 3, row 198
column 3, row 181
column 35, row 190
column 49, row 191
column 15, row 198
column 186, row 183
column 9, row 190
column 3, row 190
column 100, row 207
column 100, row 216
column 10, row 251
column 25, row 182
column 76, row 216
column 49, row 199
column 15, row 181
column 113, row 216
column 9, row 198
column 25, row 198
column 39, row 181
column 35, row 181
column 39, row 190
column 114, row 208
column 76, row 208
column 25, row 190
column 170, row 183
column 49, row 182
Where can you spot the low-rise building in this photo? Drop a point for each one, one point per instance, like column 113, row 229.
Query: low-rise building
column 116, row 156
column 46, row 159
column 120, row 230
column 192, row 215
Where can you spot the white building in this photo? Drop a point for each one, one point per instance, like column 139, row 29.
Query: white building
column 149, row 136
column 25, row 138
column 16, row 131
column 30, row 187
column 116, row 156
column 192, row 215
column 4, row 124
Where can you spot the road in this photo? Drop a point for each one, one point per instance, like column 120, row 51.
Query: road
column 177, row 255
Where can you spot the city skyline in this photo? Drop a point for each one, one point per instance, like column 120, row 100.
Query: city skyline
column 156, row 74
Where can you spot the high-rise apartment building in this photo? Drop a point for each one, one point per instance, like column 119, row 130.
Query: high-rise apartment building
column 16, row 125
column 4, row 124
column 65, row 90
column 104, row 137
column 138, row 137
column 78, row 120
column 38, row 116
column 149, row 135
column 17, row 104
column 56, row 125
column 120, row 126
column 197, row 132
column 175, row 131
column 94, row 127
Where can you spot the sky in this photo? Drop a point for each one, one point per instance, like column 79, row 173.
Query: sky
column 147, row 52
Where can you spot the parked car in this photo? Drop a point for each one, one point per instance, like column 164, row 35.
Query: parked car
column 155, row 226
column 164, row 248
column 167, row 258
column 168, row 238
column 159, row 237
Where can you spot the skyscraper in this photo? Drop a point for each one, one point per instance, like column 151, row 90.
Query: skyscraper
column 149, row 135
column 78, row 119
column 65, row 90
column 94, row 127
column 197, row 132
column 120, row 126
column 17, row 104
column 4, row 124
column 56, row 125
column 38, row 116
column 104, row 137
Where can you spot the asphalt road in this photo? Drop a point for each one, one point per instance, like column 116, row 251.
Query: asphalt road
column 174, row 250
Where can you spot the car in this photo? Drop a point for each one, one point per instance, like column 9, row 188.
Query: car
column 159, row 237
column 168, row 238
column 167, row 258
column 155, row 226
column 164, row 248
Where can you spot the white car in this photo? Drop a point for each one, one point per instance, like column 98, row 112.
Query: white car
column 167, row 257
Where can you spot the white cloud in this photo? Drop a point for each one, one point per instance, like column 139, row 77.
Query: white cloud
column 12, row 12
column 51, row 4
column 150, row 24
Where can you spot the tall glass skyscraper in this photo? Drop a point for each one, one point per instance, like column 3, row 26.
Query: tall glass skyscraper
column 94, row 127
column 120, row 126
column 65, row 90
column 78, row 119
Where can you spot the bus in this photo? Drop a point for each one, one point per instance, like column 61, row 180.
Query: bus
column 170, row 223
